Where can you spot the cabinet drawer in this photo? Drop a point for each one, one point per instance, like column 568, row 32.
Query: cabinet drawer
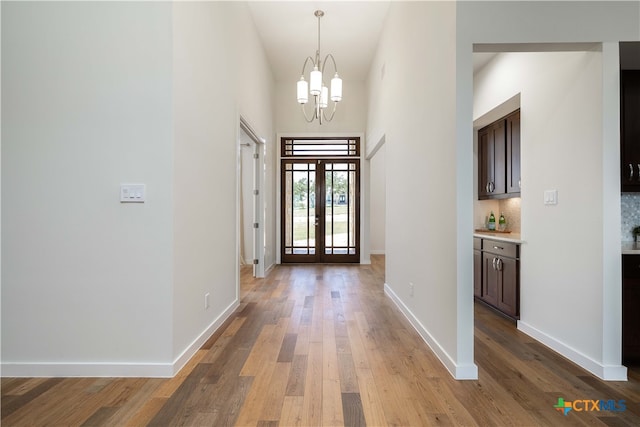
column 505, row 249
column 477, row 243
column 631, row 266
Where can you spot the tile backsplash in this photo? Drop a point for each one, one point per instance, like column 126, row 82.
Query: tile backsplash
column 630, row 207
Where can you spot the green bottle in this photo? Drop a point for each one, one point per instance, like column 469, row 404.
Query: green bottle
column 502, row 223
column 492, row 221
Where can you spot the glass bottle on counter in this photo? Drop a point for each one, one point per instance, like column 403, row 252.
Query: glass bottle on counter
column 492, row 221
column 502, row 223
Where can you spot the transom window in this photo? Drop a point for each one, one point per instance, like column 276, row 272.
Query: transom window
column 313, row 147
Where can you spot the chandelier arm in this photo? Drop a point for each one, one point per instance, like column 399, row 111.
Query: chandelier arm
column 304, row 112
column 304, row 66
column 324, row 63
column 333, row 111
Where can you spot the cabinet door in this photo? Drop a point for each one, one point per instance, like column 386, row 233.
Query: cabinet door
column 630, row 129
column 513, row 153
column 477, row 273
column 491, row 160
column 508, row 288
column 489, row 279
column 630, row 312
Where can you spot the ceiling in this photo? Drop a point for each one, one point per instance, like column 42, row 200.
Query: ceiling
column 350, row 31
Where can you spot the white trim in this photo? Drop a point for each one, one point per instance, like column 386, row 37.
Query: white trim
column 605, row 372
column 188, row 353
column 459, row 372
column 105, row 369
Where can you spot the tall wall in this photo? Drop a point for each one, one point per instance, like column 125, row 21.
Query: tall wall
column 86, row 102
column 95, row 94
column 412, row 103
column 378, row 200
column 220, row 72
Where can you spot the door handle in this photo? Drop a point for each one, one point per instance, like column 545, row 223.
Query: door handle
column 317, row 220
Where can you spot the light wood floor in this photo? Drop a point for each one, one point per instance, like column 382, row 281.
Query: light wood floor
column 322, row 345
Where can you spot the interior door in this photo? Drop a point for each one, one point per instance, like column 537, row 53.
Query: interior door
column 320, row 210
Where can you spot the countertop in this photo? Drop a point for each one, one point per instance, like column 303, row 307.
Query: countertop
column 503, row 237
column 630, row 248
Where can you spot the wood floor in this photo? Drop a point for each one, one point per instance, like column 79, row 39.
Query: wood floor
column 322, row 345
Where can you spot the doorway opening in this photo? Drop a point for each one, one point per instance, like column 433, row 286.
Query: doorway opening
column 320, row 179
column 251, row 204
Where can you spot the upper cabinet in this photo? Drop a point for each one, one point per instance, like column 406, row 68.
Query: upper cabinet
column 630, row 129
column 499, row 158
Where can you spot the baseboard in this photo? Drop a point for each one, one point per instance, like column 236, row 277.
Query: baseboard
column 605, row 372
column 188, row 353
column 457, row 371
column 143, row 370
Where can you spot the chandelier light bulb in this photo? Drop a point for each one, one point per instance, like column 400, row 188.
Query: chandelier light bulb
column 336, row 88
column 303, row 91
column 315, row 81
column 324, row 97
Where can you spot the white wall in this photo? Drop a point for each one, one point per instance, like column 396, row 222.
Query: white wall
column 378, row 200
column 205, row 151
column 86, row 102
column 256, row 104
column 413, row 105
column 516, row 22
column 95, row 94
column 561, row 99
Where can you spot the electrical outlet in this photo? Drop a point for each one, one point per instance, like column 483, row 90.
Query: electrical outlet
column 206, row 300
column 411, row 288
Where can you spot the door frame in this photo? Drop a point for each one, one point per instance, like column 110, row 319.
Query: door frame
column 364, row 189
column 259, row 202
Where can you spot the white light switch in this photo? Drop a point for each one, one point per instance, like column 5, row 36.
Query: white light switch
column 132, row 193
column 551, row 197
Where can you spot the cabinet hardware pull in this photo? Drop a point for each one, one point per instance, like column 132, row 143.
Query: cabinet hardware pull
column 630, row 171
column 486, row 188
column 519, row 186
column 494, row 263
column 492, row 187
column 638, row 171
column 499, row 264
column 498, row 247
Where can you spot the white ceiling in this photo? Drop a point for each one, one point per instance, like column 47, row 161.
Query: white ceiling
column 350, row 31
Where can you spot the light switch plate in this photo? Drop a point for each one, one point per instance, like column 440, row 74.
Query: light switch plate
column 132, row 193
column 551, row 197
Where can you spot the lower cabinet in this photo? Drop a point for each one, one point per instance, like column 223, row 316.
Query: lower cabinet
column 630, row 312
column 497, row 280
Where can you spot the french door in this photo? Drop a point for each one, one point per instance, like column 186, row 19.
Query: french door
column 320, row 210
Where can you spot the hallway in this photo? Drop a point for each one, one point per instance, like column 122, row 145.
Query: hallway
column 322, row 345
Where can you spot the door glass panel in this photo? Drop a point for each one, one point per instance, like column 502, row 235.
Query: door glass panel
column 300, row 229
column 340, row 215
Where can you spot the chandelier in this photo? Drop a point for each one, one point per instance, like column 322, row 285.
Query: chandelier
column 316, row 86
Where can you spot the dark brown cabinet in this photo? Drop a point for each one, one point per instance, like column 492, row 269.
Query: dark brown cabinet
column 630, row 130
column 513, row 153
column 477, row 267
column 631, row 309
column 499, row 158
column 498, row 278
